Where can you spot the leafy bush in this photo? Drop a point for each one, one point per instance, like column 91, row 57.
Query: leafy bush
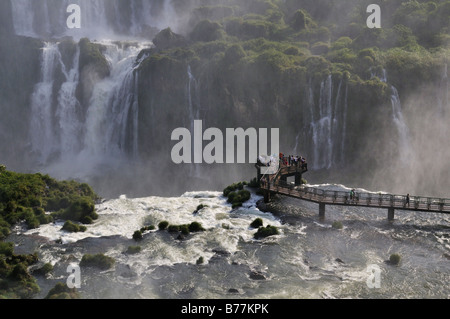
column 134, row 250
column 337, row 225
column 207, row 31
column 71, row 227
column 173, row 229
column 61, row 291
column 45, row 269
column 163, row 225
column 6, row 249
column 395, row 259
column 264, row 232
column 98, row 261
column 137, row 235
column 195, row 227
column 258, row 222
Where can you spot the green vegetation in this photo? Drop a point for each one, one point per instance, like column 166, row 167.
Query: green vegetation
column 45, row 269
column 15, row 280
column 337, row 225
column 395, row 259
column 163, row 225
column 98, row 261
column 258, row 222
column 200, row 261
column 61, row 291
column 27, row 197
column 134, row 250
column 267, row 231
column 71, row 227
column 137, row 235
column 236, row 194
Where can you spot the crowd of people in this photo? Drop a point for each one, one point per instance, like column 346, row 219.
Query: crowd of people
column 292, row 160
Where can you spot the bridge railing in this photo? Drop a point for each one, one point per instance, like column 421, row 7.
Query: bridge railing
column 361, row 198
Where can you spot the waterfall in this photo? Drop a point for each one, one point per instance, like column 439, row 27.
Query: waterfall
column 69, row 108
column 99, row 18
column 443, row 97
column 42, row 121
column 23, row 20
column 112, row 116
column 65, row 133
column 404, row 143
column 327, row 124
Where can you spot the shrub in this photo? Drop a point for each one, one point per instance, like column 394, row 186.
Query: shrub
column 185, row 229
column 200, row 261
column 207, row 31
column 6, row 249
column 163, row 225
column 264, row 232
column 71, row 227
column 79, row 209
column 195, row 227
column 337, row 225
column 258, row 222
column 137, row 235
column 173, row 229
column 61, row 291
column 45, row 269
column 395, row 259
column 134, row 250
column 98, row 261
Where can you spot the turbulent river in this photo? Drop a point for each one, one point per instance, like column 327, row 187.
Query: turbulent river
column 308, row 259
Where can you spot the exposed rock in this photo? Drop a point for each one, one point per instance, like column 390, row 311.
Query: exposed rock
column 256, row 275
column 167, row 39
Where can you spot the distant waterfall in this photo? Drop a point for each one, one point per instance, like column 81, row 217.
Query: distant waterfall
column 443, row 97
column 327, row 128
column 99, row 18
column 404, row 143
column 42, row 126
column 69, row 109
column 63, row 131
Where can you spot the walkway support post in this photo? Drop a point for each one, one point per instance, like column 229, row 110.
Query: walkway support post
column 321, row 210
column 391, row 213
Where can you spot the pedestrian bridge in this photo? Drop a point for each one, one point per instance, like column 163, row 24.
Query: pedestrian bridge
column 277, row 184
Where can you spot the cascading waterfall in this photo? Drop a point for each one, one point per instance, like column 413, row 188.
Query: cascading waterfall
column 194, row 109
column 443, row 97
column 42, row 124
column 69, row 109
column 108, row 131
column 404, row 143
column 327, row 124
column 99, row 18
column 111, row 121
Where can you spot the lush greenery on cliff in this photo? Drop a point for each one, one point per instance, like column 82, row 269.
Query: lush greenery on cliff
column 265, row 63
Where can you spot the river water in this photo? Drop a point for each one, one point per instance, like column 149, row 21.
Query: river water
column 308, row 259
